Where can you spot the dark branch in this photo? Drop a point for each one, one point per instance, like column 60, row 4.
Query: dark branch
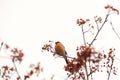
column 99, row 29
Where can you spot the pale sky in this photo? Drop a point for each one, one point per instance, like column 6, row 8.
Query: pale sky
column 28, row 24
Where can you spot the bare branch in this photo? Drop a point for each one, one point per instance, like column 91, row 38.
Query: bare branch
column 83, row 33
column 114, row 30
column 99, row 29
column 16, row 69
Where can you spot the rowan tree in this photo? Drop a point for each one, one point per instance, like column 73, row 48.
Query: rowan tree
column 89, row 60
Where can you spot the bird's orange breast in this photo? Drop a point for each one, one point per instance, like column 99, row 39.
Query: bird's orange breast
column 60, row 49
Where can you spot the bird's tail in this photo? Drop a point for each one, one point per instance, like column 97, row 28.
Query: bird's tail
column 66, row 60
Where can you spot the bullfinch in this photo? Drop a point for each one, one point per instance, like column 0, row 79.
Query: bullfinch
column 60, row 50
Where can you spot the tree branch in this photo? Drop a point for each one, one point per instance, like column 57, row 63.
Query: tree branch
column 83, row 33
column 16, row 69
column 114, row 30
column 92, row 72
column 99, row 29
column 110, row 68
column 86, row 70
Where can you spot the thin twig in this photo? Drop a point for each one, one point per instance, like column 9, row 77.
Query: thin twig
column 97, row 25
column 86, row 70
column 81, row 76
column 52, row 77
column 99, row 29
column 83, row 33
column 114, row 30
column 87, row 30
column 90, row 69
column 91, row 72
column 110, row 69
column 16, row 69
column 1, row 46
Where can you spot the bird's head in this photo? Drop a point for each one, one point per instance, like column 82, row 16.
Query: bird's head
column 57, row 42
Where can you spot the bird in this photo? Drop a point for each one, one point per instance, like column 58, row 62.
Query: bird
column 60, row 50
